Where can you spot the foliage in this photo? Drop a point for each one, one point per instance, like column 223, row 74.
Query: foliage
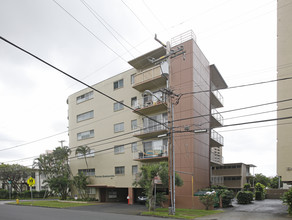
column 223, row 193
column 287, row 199
column 160, row 199
column 53, row 204
column 14, row 173
column 146, row 180
column 274, row 183
column 244, row 197
column 260, row 191
column 208, row 199
column 4, row 194
column 247, row 187
column 83, row 150
column 260, row 178
column 80, row 182
column 56, row 168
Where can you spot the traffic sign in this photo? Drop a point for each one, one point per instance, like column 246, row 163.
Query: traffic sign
column 31, row 181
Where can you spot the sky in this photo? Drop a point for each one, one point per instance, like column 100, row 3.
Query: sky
column 93, row 40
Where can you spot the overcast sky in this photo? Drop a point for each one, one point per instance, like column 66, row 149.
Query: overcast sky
column 238, row 36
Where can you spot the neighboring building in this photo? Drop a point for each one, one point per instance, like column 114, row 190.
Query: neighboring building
column 232, row 175
column 123, row 140
column 284, row 90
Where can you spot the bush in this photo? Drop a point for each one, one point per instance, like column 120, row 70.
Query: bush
column 4, row 194
column 208, row 199
column 287, row 199
column 260, row 192
column 259, row 195
column 244, row 197
column 246, row 187
column 226, row 197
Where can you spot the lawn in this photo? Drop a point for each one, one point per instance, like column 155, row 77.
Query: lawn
column 182, row 213
column 53, row 204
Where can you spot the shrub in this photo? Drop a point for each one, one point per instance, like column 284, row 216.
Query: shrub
column 226, row 197
column 260, row 192
column 4, row 194
column 208, row 199
column 246, row 187
column 287, row 199
column 259, row 195
column 244, row 197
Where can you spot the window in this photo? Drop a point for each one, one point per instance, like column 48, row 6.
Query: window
column 85, row 135
column 151, row 126
column 91, row 190
column 132, row 78
column 84, row 97
column 118, row 84
column 134, row 102
column 87, row 172
column 119, row 149
column 134, row 147
column 119, row 170
column 134, row 124
column 118, row 106
column 85, row 116
column 134, row 169
column 119, row 127
column 91, row 154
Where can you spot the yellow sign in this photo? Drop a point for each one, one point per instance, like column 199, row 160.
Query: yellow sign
column 31, row 181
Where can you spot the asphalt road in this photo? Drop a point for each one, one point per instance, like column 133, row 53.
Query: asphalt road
column 13, row 212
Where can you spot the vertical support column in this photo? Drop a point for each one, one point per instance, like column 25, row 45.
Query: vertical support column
column 131, row 196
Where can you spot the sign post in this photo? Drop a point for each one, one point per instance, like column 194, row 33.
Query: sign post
column 31, row 183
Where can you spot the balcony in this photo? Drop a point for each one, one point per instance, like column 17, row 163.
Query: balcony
column 216, row 159
column 217, row 140
column 216, row 99
column 149, row 79
column 151, row 131
column 150, row 106
column 160, row 153
column 217, row 180
column 216, row 119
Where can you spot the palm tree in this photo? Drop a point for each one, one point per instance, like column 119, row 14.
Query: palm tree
column 83, row 150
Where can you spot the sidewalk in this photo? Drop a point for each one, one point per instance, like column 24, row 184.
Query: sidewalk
column 268, row 209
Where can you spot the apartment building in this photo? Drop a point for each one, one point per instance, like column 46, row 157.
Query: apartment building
column 232, row 175
column 284, row 91
column 122, row 140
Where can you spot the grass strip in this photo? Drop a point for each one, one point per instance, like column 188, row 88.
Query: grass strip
column 181, row 213
column 53, row 204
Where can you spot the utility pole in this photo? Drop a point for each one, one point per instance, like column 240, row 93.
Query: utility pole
column 62, row 141
column 171, row 150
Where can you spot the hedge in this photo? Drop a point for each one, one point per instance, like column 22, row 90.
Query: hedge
column 244, row 197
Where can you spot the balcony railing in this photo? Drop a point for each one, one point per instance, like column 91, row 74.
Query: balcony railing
column 151, row 130
column 150, row 105
column 144, row 80
column 158, row 152
column 217, row 137
column 218, row 117
column 217, row 180
column 219, row 97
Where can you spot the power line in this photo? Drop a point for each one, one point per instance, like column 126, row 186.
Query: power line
column 94, row 35
column 81, row 82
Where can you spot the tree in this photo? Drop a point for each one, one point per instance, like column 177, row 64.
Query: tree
column 80, row 182
column 147, row 176
column 275, row 182
column 56, row 168
column 84, row 151
column 260, row 178
column 14, row 173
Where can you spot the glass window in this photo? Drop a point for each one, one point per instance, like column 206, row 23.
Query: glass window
column 119, row 149
column 118, row 84
column 134, row 169
column 134, row 102
column 87, row 172
column 118, row 106
column 119, row 127
column 85, row 135
column 119, row 170
column 132, row 78
column 134, row 124
column 84, row 97
column 91, row 154
column 85, row 116
column 134, row 147
column 91, row 190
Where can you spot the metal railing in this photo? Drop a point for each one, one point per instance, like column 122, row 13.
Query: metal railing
column 217, row 137
column 158, row 152
column 217, row 116
column 142, row 103
column 188, row 35
column 218, row 95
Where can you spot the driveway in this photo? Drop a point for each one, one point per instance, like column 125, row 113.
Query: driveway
column 268, row 209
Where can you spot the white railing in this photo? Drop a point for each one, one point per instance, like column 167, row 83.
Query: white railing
column 153, row 128
column 218, row 95
column 217, row 180
column 142, row 103
column 188, row 35
column 217, row 116
column 217, row 137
